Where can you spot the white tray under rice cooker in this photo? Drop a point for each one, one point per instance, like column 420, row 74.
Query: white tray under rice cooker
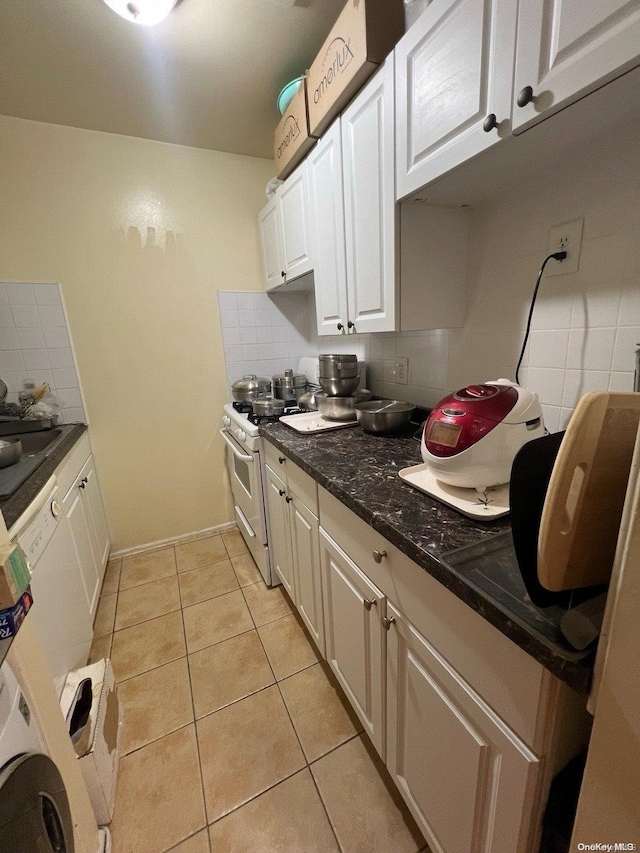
column 311, row 423
column 469, row 443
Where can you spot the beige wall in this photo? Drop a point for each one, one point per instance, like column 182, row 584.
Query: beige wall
column 141, row 236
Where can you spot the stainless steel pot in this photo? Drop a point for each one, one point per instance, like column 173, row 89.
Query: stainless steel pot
column 268, row 407
column 340, row 408
column 246, row 390
column 307, row 401
column 340, row 387
column 337, row 365
column 10, row 451
column 289, row 385
column 383, row 416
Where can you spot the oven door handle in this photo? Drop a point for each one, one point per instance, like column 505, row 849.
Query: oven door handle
column 243, row 518
column 245, row 457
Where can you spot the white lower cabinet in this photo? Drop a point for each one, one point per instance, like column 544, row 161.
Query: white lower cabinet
column 355, row 638
column 96, row 517
column 79, row 525
column 279, row 530
column 293, row 538
column 468, row 780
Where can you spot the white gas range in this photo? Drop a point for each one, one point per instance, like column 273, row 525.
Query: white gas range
column 244, row 467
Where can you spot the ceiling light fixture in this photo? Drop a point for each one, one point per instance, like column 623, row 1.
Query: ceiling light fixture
column 145, row 12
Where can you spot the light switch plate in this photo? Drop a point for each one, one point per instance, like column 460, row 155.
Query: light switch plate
column 565, row 237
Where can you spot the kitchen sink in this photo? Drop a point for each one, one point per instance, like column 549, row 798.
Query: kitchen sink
column 40, row 442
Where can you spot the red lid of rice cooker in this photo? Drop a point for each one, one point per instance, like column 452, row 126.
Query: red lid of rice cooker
column 463, row 418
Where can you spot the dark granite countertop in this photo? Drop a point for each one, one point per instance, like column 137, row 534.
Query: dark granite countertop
column 13, row 506
column 361, row 470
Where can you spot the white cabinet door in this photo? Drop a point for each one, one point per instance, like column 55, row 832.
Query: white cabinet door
column 326, row 206
column 454, row 70
column 293, row 216
column 272, row 264
column 77, row 523
column 567, row 48
column 305, row 551
column 279, row 530
column 94, row 509
column 354, row 636
column 468, row 780
column 368, row 152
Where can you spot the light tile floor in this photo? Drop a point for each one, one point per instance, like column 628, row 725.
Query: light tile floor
column 236, row 738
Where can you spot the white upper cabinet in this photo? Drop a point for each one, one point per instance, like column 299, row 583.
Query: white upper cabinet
column 285, row 233
column 270, row 246
column 326, row 207
column 454, row 72
column 293, row 211
column 567, row 48
column 368, row 156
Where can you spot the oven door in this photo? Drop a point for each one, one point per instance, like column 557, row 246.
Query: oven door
column 246, row 487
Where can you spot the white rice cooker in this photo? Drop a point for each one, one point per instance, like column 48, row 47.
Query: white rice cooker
column 472, row 436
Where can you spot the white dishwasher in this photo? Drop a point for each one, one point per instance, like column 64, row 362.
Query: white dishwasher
column 60, row 609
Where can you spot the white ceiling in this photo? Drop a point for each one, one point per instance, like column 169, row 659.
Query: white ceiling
column 207, row 76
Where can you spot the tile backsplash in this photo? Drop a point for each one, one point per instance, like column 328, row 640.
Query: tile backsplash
column 35, row 344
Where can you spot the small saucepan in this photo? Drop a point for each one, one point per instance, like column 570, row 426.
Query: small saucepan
column 10, row 451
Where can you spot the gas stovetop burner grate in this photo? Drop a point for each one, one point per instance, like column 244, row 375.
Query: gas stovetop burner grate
column 256, row 420
column 243, row 408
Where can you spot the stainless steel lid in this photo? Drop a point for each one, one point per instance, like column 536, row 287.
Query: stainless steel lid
column 251, row 382
column 331, row 358
column 336, row 365
column 289, row 379
column 268, row 405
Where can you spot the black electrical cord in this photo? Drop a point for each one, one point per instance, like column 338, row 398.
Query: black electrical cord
column 557, row 256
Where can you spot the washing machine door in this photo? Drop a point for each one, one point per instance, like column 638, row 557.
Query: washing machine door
column 34, row 809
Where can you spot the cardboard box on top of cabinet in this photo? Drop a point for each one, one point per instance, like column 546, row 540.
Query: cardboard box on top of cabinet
column 14, row 575
column 292, row 141
column 363, row 36
column 97, row 745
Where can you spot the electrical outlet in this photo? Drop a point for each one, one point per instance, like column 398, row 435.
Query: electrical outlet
column 565, row 238
column 402, row 371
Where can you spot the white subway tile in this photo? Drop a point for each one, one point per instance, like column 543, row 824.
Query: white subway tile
column 32, row 338
column 389, row 347
column 36, row 358
column 547, row 383
column 376, row 347
column 61, row 357
column 51, row 315
column 69, row 397
column 231, row 336
column 74, row 415
column 250, row 352
column 6, row 318
column 621, row 381
column 264, row 334
column 227, row 300
column 26, row 315
column 579, row 382
column 591, row 349
column 630, row 307
column 229, row 319
column 565, row 417
column 280, row 350
column 547, row 348
column 65, row 378
column 552, row 311
column 14, row 380
column 234, row 370
column 20, row 294
column 246, row 319
column 233, row 352
column 47, row 294
column 56, row 337
column 11, row 361
column 595, row 309
column 9, row 339
column 245, row 301
column 248, row 335
column 626, row 343
column 551, row 418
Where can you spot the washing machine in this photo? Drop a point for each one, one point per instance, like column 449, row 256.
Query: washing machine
column 34, row 809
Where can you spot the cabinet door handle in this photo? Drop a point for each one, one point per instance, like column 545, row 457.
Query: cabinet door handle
column 340, row 327
column 288, row 499
column 525, row 96
column 388, row 622
column 283, row 274
column 351, row 325
column 281, row 492
column 281, row 460
column 490, row 123
column 369, row 602
column 82, row 484
column 85, row 480
column 378, row 555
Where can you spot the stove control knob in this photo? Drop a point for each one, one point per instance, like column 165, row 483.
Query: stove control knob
column 56, row 509
column 242, row 436
column 226, row 421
